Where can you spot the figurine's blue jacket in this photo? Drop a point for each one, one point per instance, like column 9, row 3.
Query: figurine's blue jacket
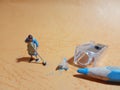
column 34, row 41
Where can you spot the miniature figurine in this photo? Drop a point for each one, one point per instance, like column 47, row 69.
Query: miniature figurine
column 32, row 45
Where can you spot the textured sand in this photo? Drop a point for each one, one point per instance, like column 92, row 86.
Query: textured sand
column 59, row 26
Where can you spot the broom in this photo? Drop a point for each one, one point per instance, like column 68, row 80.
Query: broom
column 43, row 61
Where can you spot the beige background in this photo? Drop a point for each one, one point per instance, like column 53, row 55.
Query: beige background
column 59, row 26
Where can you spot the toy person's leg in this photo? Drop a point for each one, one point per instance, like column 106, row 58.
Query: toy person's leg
column 37, row 59
column 31, row 58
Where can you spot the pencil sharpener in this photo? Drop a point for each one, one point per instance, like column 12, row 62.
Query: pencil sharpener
column 87, row 53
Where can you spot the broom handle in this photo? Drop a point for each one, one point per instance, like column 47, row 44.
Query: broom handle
column 38, row 54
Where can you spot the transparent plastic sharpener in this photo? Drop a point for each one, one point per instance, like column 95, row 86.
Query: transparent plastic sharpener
column 87, row 53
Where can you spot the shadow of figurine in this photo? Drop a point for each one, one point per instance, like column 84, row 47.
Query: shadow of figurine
column 27, row 59
column 23, row 59
column 96, row 80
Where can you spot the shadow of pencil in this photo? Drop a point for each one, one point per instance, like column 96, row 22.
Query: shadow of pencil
column 96, row 80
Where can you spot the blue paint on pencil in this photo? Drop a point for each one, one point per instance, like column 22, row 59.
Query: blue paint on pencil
column 109, row 73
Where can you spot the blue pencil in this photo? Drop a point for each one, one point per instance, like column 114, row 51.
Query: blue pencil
column 109, row 73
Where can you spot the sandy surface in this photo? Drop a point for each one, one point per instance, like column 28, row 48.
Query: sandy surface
column 59, row 26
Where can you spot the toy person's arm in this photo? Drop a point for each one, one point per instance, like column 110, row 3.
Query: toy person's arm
column 26, row 40
column 36, row 42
